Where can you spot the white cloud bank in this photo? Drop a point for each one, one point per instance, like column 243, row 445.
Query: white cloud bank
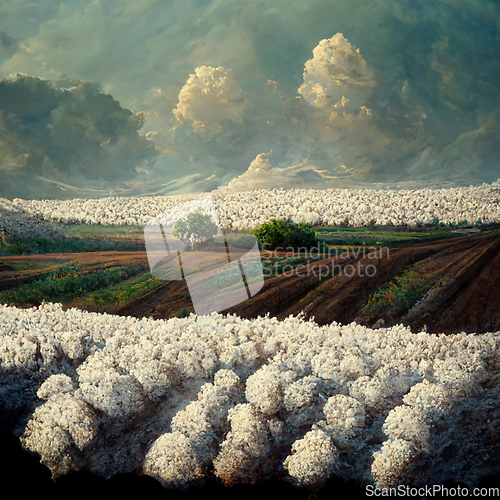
column 433, row 110
column 262, row 175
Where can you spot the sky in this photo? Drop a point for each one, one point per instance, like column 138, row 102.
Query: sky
column 162, row 97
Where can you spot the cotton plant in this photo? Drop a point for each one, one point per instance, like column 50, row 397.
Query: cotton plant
column 313, row 460
column 246, row 454
column 61, row 427
column 245, row 400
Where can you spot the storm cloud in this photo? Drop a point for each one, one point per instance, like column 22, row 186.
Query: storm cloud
column 57, row 133
column 388, row 91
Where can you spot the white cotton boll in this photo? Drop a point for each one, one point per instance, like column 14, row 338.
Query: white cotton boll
column 326, row 365
column 405, row 422
column 56, row 384
column 277, row 429
column 18, row 353
column 357, row 385
column 337, row 206
column 344, row 419
column 192, row 421
column 397, row 374
column 57, row 429
column 204, row 421
column 429, row 396
column 172, row 461
column 353, row 366
column 119, row 396
column 227, row 379
column 313, row 459
column 302, row 402
column 51, row 443
column 375, row 393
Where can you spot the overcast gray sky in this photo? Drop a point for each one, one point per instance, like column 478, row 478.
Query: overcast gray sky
column 138, row 97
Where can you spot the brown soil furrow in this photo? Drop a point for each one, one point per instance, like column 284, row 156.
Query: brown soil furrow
column 162, row 303
column 469, row 265
column 93, row 260
column 469, row 298
column 342, row 296
column 463, row 293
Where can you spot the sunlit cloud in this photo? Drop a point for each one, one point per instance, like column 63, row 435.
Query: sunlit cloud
column 209, row 96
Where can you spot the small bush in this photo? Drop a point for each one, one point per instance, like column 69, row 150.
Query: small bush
column 286, row 234
column 183, row 312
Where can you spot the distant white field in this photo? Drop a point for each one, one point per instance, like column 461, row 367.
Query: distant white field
column 246, row 210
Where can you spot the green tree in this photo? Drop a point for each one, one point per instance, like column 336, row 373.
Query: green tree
column 194, row 229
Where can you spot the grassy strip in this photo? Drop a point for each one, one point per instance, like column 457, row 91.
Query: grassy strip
column 38, row 245
column 105, row 231
column 362, row 237
column 122, row 293
column 373, row 236
column 66, row 282
column 401, row 293
column 28, row 266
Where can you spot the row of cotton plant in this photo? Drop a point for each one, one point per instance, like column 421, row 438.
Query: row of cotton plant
column 17, row 223
column 250, row 399
column 332, row 207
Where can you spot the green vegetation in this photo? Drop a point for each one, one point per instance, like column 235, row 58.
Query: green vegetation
column 38, row 245
column 105, row 231
column 183, row 312
column 66, row 282
column 78, row 238
column 101, row 289
column 368, row 236
column 121, row 293
column 286, row 234
column 195, row 228
column 30, row 266
column 400, row 294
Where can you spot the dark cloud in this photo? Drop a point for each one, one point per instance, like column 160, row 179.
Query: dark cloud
column 65, row 131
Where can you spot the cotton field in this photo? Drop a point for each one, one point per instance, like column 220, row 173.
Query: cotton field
column 17, row 221
column 249, row 209
column 250, row 399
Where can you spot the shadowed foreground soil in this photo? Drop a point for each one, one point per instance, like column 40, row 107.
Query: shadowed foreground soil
column 460, row 277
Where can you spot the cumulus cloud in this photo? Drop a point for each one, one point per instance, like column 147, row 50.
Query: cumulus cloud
column 262, row 175
column 209, row 96
column 336, row 68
